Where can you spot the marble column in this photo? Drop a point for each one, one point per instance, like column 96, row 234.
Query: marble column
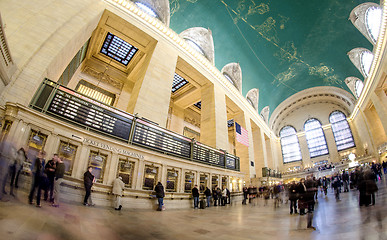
column 243, row 151
column 213, row 128
column 304, row 150
column 379, row 100
column 331, row 143
column 140, row 175
column 176, row 123
column 81, row 161
column 112, row 168
column 258, row 151
column 151, row 94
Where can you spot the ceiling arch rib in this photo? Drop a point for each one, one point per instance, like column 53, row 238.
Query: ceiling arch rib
column 253, row 96
column 234, row 72
column 358, row 17
column 362, row 59
column 160, row 8
column 203, row 39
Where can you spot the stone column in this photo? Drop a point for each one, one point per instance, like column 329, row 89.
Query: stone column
column 163, row 175
column 176, row 123
column 140, row 175
column 181, row 181
column 331, row 143
column 151, row 94
column 258, row 151
column 379, row 100
column 213, row 128
column 52, row 144
column 243, row 151
column 264, row 150
column 81, row 161
column 304, row 150
column 112, row 168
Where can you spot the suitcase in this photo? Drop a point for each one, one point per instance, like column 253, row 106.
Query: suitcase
column 202, row 204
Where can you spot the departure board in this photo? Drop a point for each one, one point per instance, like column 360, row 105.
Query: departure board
column 160, row 139
column 206, row 154
column 84, row 111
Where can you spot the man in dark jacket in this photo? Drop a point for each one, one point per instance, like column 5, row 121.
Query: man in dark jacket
column 195, row 195
column 159, row 189
column 293, row 197
column 208, row 196
column 59, row 173
column 215, row 196
column 311, row 187
column 49, row 169
column 37, row 173
column 88, row 180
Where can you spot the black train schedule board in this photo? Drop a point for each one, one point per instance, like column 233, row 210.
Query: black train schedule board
column 84, row 111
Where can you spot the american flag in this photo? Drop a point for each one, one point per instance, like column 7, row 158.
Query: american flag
column 241, row 134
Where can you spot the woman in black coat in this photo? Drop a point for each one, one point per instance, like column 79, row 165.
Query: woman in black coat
column 159, row 189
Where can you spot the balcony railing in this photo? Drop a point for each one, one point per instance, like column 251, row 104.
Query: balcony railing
column 61, row 102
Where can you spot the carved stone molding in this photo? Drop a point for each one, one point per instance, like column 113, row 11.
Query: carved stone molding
column 103, row 77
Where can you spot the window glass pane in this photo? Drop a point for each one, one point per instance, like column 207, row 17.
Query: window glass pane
column 373, row 21
column 178, row 82
column 358, row 88
column 341, row 131
column 146, row 9
column 150, row 177
column 315, row 138
column 95, row 92
column 366, row 62
column 195, row 46
column 67, row 152
column 189, row 182
column 172, row 177
column 203, row 182
column 117, row 49
column 290, row 146
column 97, row 162
column 125, row 170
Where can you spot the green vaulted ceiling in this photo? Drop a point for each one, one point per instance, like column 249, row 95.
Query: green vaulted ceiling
column 283, row 46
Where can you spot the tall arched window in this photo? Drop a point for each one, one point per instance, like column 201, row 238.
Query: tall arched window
column 315, row 138
column 341, row 130
column 366, row 59
column 358, row 88
column 290, row 146
column 373, row 19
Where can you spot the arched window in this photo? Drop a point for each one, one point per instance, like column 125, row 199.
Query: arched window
column 229, row 79
column 290, row 146
column 341, row 130
column 358, row 88
column 195, row 46
column 315, row 138
column 366, row 62
column 251, row 102
column 147, row 9
column 373, row 20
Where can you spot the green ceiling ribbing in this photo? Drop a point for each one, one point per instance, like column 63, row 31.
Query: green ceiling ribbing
column 283, row 46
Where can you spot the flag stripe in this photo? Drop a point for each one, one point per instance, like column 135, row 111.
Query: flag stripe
column 241, row 134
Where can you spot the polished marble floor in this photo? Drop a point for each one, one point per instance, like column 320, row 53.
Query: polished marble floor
column 333, row 220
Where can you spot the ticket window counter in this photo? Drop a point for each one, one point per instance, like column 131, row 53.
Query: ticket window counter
column 97, row 162
column 214, row 182
column 67, row 153
column 172, row 180
column 36, row 143
column 189, row 182
column 203, row 182
column 224, row 182
column 126, row 170
column 150, row 177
